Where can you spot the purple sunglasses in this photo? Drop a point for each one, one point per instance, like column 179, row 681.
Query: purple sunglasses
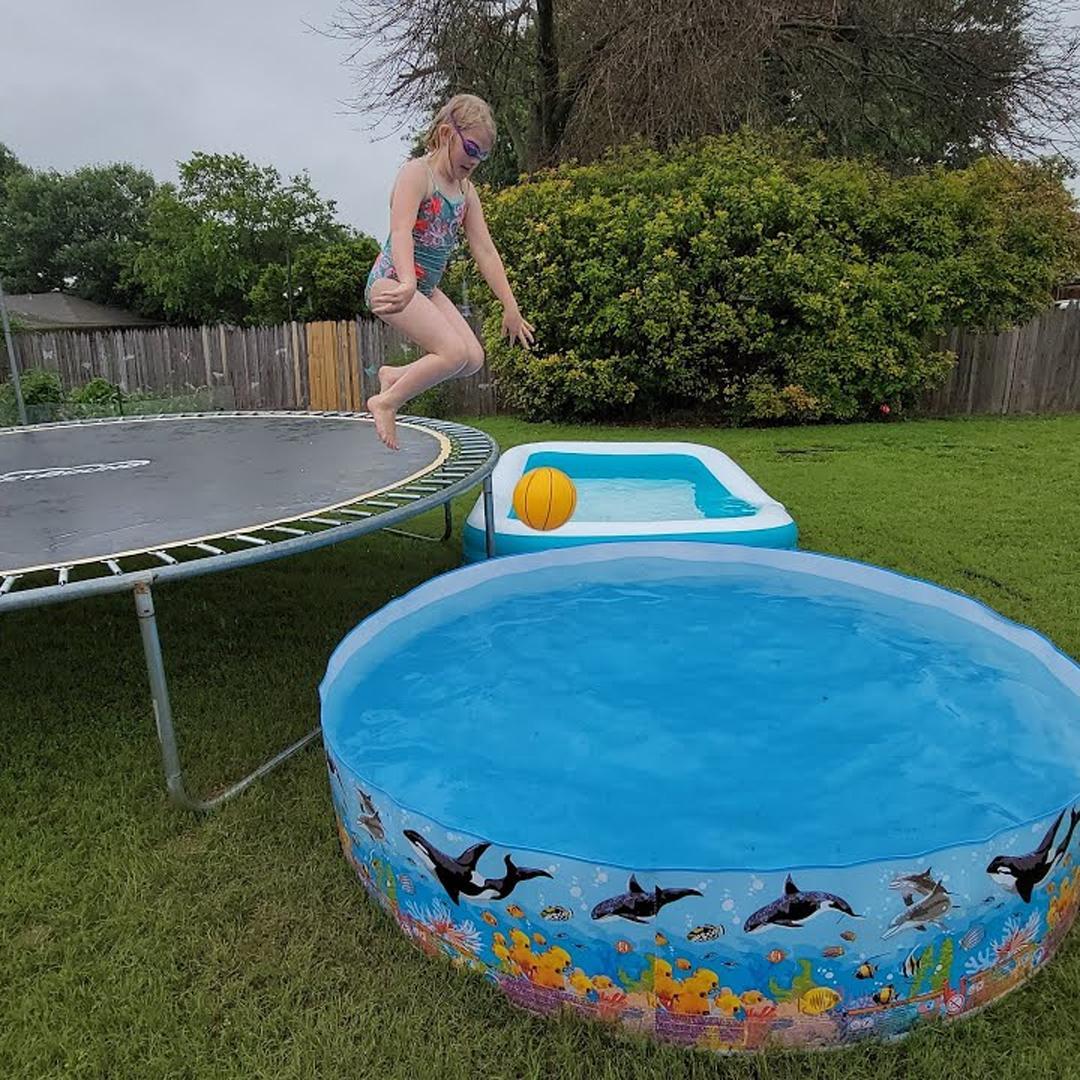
column 471, row 148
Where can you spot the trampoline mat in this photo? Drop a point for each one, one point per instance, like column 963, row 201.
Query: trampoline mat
column 86, row 492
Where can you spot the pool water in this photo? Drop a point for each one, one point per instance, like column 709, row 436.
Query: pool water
column 644, row 487
column 739, row 717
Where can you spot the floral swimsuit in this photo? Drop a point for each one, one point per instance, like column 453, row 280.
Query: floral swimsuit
column 434, row 234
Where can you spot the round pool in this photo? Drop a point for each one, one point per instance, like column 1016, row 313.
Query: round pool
column 729, row 796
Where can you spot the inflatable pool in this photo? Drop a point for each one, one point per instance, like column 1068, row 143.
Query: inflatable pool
column 731, row 797
column 634, row 491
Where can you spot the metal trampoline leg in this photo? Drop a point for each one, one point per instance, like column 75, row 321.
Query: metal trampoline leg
column 159, row 689
column 489, row 518
column 448, row 529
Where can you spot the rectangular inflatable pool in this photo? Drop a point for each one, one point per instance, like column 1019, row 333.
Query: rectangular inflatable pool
column 634, row 491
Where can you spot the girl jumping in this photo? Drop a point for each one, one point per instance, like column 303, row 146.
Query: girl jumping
column 432, row 198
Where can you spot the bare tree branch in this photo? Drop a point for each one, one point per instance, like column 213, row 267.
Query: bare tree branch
column 911, row 81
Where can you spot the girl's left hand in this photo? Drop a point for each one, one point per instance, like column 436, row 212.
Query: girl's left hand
column 514, row 326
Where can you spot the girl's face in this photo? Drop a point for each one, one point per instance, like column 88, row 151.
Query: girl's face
column 466, row 148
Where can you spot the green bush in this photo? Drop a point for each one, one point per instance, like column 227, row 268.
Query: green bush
column 43, row 395
column 39, row 387
column 47, row 401
column 98, row 391
column 745, row 279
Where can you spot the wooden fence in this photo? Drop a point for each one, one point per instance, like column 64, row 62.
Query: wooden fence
column 256, row 368
column 1034, row 368
column 321, row 366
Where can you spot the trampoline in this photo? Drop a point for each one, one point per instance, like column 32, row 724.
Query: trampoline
column 100, row 506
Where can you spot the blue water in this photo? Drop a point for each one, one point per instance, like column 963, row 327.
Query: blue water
column 642, row 487
column 751, row 718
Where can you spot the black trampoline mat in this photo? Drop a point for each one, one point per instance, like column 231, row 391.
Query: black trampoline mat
column 88, row 492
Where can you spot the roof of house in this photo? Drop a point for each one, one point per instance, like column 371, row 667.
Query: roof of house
column 58, row 311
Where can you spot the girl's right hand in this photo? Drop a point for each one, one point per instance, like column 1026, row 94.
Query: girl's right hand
column 391, row 301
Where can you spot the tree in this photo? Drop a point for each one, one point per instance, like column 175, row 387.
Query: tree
column 73, row 231
column 212, row 237
column 910, row 82
column 327, row 282
column 10, row 165
column 421, row 54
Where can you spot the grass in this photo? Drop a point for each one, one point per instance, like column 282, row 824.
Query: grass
column 138, row 941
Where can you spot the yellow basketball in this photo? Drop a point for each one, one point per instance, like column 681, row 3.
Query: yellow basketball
column 545, row 498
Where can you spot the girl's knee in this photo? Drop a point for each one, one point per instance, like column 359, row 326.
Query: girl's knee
column 455, row 357
column 474, row 357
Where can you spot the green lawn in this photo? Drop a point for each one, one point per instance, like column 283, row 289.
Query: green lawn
column 138, row 941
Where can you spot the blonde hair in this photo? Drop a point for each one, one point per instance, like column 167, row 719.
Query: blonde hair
column 465, row 110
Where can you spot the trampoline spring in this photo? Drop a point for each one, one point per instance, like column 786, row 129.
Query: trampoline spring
column 8, row 583
column 323, row 521
column 62, row 575
column 286, row 530
column 253, row 540
column 209, row 548
column 114, row 566
column 381, row 503
column 355, row 513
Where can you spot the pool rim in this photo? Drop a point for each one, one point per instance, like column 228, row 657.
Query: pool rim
column 769, row 519
column 463, row 577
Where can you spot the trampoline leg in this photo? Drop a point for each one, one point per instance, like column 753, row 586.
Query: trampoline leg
column 489, row 518
column 448, row 529
column 159, row 689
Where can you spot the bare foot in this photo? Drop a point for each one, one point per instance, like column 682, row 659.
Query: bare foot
column 388, row 376
column 384, row 415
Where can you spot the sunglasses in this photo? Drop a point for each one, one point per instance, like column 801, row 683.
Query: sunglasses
column 474, row 150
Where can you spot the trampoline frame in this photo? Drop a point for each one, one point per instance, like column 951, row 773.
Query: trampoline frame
column 471, row 459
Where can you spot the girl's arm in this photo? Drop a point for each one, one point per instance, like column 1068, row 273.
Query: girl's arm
column 483, row 250
column 490, row 266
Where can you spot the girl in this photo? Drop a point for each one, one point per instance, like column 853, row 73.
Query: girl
column 431, row 199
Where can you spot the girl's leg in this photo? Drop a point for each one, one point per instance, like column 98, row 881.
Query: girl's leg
column 446, row 354
column 389, row 374
column 474, row 350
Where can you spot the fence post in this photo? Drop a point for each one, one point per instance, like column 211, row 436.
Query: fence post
column 12, row 360
column 294, row 347
column 205, row 336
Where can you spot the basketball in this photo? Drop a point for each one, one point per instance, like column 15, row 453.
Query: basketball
column 544, row 498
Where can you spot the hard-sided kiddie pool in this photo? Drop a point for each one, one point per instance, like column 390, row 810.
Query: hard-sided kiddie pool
column 634, row 491
column 732, row 797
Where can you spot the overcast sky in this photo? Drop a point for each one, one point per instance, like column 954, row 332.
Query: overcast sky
column 151, row 82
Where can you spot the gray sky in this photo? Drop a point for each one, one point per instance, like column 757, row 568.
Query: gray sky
column 150, row 82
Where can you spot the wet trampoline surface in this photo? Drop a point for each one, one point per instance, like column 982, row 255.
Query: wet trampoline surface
column 88, row 491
